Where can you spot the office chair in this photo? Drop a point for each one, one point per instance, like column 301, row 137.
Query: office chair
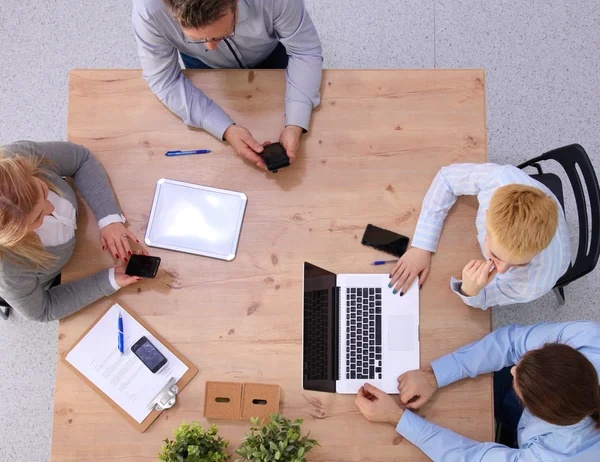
column 588, row 249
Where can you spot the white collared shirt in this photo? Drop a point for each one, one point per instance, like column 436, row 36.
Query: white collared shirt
column 59, row 227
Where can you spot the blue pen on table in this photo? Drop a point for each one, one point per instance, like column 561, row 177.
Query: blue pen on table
column 383, row 262
column 186, row 153
column 121, row 347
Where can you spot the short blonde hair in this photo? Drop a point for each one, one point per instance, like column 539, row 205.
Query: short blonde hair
column 18, row 196
column 522, row 219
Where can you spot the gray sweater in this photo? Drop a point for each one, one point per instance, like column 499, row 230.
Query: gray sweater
column 26, row 289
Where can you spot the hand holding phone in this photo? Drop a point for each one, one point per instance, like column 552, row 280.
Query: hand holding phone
column 143, row 266
column 275, row 157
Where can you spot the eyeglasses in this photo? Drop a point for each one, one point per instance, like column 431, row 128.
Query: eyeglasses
column 214, row 39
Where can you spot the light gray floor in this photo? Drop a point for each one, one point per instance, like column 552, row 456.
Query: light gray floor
column 543, row 91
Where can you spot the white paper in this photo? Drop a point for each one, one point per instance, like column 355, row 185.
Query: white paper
column 123, row 377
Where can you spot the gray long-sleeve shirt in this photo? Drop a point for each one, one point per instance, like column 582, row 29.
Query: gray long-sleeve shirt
column 26, row 289
column 261, row 25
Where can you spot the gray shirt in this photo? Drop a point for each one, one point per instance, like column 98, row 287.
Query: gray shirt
column 261, row 25
column 26, row 289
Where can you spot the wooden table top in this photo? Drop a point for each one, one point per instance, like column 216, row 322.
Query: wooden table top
column 376, row 142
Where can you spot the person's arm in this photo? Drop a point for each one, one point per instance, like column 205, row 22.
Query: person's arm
column 297, row 33
column 504, row 289
column 23, row 292
column 160, row 63
column 450, row 182
column 506, row 345
column 443, row 445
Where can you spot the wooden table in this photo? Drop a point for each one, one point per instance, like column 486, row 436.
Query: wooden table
column 376, row 142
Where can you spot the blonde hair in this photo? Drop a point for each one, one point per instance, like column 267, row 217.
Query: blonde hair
column 522, row 219
column 19, row 194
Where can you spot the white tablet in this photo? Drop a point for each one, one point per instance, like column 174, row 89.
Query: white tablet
column 196, row 219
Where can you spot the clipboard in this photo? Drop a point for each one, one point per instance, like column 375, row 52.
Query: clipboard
column 181, row 384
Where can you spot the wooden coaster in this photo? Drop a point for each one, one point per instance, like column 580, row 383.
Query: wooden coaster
column 223, row 400
column 260, row 400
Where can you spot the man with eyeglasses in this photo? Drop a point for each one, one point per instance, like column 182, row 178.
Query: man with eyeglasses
column 230, row 34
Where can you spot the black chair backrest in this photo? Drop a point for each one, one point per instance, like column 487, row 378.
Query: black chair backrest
column 588, row 249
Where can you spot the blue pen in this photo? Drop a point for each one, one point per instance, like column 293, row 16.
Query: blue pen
column 186, row 153
column 383, row 262
column 121, row 348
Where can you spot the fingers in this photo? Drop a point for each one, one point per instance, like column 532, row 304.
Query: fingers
column 113, row 249
column 103, row 243
column 492, row 275
column 397, row 266
column 131, row 236
column 401, row 279
column 423, row 276
column 266, row 143
column 374, row 390
column 408, row 283
column 126, row 246
column 470, row 265
column 252, row 143
column 292, row 151
column 417, row 403
column 400, row 268
column 120, row 249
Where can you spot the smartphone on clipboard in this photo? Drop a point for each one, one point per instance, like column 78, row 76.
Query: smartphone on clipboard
column 149, row 355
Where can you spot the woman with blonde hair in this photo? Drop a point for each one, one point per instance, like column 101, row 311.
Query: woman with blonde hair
column 38, row 211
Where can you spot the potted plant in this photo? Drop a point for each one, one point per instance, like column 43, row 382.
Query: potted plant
column 191, row 443
column 279, row 440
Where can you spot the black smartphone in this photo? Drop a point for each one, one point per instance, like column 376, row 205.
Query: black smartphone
column 385, row 240
column 275, row 157
column 142, row 266
column 149, row 355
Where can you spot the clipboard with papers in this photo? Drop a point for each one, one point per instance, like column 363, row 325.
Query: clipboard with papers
column 121, row 379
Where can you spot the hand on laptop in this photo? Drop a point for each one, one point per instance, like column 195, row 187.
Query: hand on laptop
column 244, row 145
column 378, row 406
column 415, row 262
column 417, row 387
column 476, row 276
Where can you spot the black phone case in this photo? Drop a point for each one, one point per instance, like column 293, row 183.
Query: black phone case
column 275, row 160
column 389, row 248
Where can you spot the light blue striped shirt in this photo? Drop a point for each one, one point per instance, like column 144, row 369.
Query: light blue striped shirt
column 538, row 440
column 518, row 284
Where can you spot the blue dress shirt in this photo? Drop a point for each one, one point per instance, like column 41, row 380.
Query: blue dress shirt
column 539, row 441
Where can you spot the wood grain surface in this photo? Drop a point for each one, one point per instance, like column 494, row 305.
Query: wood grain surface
column 375, row 143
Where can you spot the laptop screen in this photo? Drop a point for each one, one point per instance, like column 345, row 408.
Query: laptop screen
column 319, row 324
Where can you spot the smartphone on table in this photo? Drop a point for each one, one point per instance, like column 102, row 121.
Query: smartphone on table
column 275, row 157
column 385, row 240
column 142, row 266
column 149, row 355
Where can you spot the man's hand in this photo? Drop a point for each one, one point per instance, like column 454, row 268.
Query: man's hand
column 417, row 387
column 244, row 144
column 290, row 140
column 476, row 276
column 415, row 262
column 378, row 406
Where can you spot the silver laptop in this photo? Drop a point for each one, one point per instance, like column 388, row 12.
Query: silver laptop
column 354, row 330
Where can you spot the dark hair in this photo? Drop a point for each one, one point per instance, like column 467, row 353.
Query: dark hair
column 559, row 385
column 195, row 14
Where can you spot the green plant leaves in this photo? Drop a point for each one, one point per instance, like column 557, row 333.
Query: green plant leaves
column 278, row 440
column 192, row 443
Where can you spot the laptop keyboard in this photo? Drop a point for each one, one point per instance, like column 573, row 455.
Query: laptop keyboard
column 363, row 333
column 315, row 344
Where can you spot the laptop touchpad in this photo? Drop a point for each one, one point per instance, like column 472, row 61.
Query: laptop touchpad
column 401, row 333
